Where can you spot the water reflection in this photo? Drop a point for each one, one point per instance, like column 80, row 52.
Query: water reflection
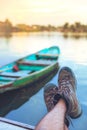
column 14, row 99
column 75, row 35
column 6, row 35
column 73, row 54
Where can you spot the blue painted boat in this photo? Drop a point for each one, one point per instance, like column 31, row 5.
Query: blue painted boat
column 29, row 69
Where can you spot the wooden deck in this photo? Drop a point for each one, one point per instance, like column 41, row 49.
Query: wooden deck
column 6, row 124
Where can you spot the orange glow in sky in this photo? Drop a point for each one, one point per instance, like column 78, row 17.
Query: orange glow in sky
column 55, row 12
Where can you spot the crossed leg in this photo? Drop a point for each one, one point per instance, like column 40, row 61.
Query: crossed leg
column 54, row 120
column 66, row 101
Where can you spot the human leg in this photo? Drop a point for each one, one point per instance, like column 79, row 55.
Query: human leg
column 66, row 94
column 54, row 120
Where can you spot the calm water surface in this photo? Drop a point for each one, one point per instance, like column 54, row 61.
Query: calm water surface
column 27, row 105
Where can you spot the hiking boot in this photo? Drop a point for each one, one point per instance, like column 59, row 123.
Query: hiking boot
column 50, row 90
column 67, row 90
column 52, row 97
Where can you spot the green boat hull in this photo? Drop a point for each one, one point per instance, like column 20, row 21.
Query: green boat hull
column 29, row 69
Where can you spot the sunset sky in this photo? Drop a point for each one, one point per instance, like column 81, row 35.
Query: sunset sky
column 43, row 12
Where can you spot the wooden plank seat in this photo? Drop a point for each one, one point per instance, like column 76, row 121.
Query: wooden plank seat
column 2, row 78
column 36, row 62
column 18, row 74
column 47, row 56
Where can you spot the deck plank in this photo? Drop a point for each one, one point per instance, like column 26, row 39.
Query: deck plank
column 6, row 124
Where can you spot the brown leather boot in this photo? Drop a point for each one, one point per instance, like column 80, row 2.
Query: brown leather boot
column 67, row 90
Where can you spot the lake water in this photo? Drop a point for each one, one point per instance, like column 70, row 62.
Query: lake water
column 27, row 105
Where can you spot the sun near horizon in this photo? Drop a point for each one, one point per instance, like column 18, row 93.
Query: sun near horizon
column 43, row 12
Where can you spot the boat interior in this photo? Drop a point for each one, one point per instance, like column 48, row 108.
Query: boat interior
column 27, row 65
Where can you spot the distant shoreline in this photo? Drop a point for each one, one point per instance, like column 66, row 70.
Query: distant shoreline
column 77, row 28
column 65, row 34
column 72, row 30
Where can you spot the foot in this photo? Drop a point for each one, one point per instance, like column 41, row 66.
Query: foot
column 50, row 92
column 67, row 90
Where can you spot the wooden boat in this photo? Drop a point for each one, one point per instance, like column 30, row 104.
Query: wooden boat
column 29, row 69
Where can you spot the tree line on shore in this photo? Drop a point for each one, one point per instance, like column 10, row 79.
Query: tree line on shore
column 7, row 27
column 77, row 27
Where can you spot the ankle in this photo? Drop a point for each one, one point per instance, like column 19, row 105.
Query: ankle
column 62, row 104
